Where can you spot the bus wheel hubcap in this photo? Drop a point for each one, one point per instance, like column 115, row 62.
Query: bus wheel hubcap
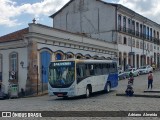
column 87, row 92
column 108, row 87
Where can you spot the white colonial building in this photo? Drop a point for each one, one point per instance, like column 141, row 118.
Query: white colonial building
column 26, row 54
column 83, row 29
column 137, row 37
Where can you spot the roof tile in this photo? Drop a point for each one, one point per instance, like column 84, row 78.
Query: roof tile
column 14, row 36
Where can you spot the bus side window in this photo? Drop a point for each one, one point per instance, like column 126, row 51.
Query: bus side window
column 104, row 70
column 108, row 68
column 99, row 69
column 87, row 70
column 115, row 67
column 112, row 68
column 80, row 72
column 91, row 68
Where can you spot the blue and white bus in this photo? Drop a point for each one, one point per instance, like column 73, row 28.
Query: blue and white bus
column 68, row 78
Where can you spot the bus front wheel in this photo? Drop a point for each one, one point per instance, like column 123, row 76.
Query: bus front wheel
column 87, row 92
column 108, row 87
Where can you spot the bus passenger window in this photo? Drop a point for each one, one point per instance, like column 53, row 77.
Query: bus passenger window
column 99, row 70
column 78, row 72
column 105, row 70
column 87, row 72
column 91, row 69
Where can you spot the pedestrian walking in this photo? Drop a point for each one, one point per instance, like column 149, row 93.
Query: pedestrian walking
column 150, row 80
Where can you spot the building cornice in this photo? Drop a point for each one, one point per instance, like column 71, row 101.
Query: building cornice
column 13, row 44
column 37, row 31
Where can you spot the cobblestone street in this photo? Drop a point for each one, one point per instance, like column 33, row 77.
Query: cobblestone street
column 98, row 102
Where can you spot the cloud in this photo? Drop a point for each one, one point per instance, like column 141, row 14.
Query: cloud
column 10, row 10
column 147, row 8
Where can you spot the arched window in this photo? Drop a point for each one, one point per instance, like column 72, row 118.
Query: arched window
column 79, row 56
column 59, row 55
column 95, row 57
column 87, row 56
column 13, row 62
column 13, row 66
column 69, row 55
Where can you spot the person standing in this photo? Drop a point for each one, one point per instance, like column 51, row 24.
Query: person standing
column 150, row 80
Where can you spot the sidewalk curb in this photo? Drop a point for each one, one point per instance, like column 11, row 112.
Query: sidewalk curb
column 35, row 95
column 139, row 95
column 155, row 91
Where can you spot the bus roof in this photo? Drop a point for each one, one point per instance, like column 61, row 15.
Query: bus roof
column 86, row 61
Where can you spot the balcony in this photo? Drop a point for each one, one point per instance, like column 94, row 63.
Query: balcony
column 138, row 34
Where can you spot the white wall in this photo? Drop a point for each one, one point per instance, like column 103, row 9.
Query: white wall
column 94, row 18
column 22, row 72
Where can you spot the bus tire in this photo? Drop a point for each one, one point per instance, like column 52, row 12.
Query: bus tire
column 87, row 92
column 108, row 88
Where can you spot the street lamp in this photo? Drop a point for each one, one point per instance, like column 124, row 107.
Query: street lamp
column 22, row 64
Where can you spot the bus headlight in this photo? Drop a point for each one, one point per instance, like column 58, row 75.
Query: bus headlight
column 72, row 87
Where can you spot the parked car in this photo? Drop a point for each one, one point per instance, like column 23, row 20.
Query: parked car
column 3, row 96
column 145, row 69
column 133, row 70
column 122, row 76
column 120, row 70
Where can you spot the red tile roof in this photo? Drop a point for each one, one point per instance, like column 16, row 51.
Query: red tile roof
column 14, row 36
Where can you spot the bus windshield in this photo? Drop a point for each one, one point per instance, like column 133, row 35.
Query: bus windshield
column 61, row 74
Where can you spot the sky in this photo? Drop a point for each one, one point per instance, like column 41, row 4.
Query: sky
column 16, row 14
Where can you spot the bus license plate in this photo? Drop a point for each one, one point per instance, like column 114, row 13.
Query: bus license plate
column 60, row 95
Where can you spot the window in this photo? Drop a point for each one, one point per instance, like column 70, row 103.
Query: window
column 129, row 25
column 141, row 31
column 113, row 68
column 81, row 72
column 125, row 41
column 98, row 69
column 120, row 39
column 157, row 35
column 151, row 47
column 147, row 32
column 141, row 45
column 147, row 46
column 133, row 42
column 124, row 24
column 144, row 31
column 137, row 29
column 137, row 44
column 119, row 22
column 59, row 55
column 154, row 47
column 13, row 62
column 133, row 27
column 151, row 33
column 105, row 69
column 154, row 33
